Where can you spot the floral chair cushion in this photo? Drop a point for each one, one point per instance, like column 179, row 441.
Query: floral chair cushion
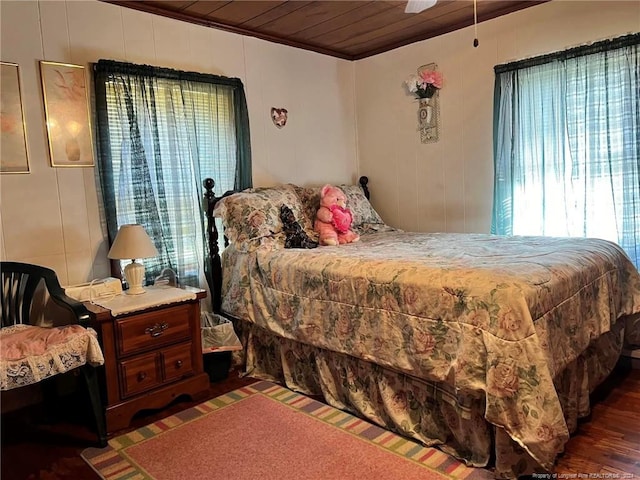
column 29, row 354
column 252, row 217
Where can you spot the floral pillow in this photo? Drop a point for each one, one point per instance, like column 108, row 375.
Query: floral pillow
column 310, row 200
column 253, row 215
column 361, row 209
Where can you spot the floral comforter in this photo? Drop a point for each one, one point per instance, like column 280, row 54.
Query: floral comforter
column 494, row 317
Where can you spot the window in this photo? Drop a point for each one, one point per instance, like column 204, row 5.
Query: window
column 567, row 144
column 161, row 132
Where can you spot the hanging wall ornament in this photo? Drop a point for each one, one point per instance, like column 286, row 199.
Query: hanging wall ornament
column 279, row 116
column 426, row 86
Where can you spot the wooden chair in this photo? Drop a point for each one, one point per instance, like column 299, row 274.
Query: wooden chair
column 32, row 348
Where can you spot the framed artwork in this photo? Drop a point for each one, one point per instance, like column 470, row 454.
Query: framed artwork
column 66, row 107
column 14, row 157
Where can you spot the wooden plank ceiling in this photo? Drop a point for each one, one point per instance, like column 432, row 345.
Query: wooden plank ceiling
column 345, row 29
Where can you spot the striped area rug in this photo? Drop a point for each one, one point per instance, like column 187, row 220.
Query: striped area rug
column 264, row 431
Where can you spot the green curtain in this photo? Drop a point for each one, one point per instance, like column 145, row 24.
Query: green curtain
column 160, row 133
column 567, row 144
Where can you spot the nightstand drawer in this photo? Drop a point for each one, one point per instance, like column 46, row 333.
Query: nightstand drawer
column 139, row 374
column 176, row 362
column 153, row 329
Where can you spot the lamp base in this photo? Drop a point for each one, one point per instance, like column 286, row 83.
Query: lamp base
column 134, row 275
column 135, row 291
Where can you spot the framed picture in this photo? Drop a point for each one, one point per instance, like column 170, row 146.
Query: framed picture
column 14, row 157
column 66, row 107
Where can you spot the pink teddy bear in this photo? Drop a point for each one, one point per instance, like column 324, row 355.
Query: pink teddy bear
column 333, row 219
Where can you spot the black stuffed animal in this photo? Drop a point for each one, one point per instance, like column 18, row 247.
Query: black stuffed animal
column 296, row 237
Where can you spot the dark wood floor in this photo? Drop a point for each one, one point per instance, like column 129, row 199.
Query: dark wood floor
column 607, row 444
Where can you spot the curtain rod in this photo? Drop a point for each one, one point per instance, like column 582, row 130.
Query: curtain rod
column 113, row 66
column 582, row 50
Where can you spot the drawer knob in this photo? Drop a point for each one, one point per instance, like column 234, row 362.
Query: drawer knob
column 157, row 329
column 178, row 363
column 142, row 376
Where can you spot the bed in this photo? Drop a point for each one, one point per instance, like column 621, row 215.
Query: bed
column 484, row 346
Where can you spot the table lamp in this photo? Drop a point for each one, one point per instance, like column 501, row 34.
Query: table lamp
column 133, row 242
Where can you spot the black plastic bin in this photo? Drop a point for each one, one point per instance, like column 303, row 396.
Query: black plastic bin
column 219, row 340
column 217, row 365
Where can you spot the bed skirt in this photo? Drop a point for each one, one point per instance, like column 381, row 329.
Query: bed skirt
column 431, row 413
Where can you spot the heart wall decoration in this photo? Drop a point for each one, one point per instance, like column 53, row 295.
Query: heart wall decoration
column 279, row 116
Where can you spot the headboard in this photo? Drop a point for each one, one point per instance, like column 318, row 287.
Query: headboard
column 215, row 275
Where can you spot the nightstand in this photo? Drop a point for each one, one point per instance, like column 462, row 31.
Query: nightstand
column 152, row 356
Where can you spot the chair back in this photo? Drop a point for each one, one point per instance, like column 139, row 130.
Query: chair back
column 19, row 283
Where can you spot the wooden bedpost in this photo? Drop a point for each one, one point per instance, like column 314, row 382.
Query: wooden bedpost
column 215, row 275
column 363, row 183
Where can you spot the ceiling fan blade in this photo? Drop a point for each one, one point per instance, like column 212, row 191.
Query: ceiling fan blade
column 417, row 6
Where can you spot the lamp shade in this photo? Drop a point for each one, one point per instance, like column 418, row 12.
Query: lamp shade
column 132, row 242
